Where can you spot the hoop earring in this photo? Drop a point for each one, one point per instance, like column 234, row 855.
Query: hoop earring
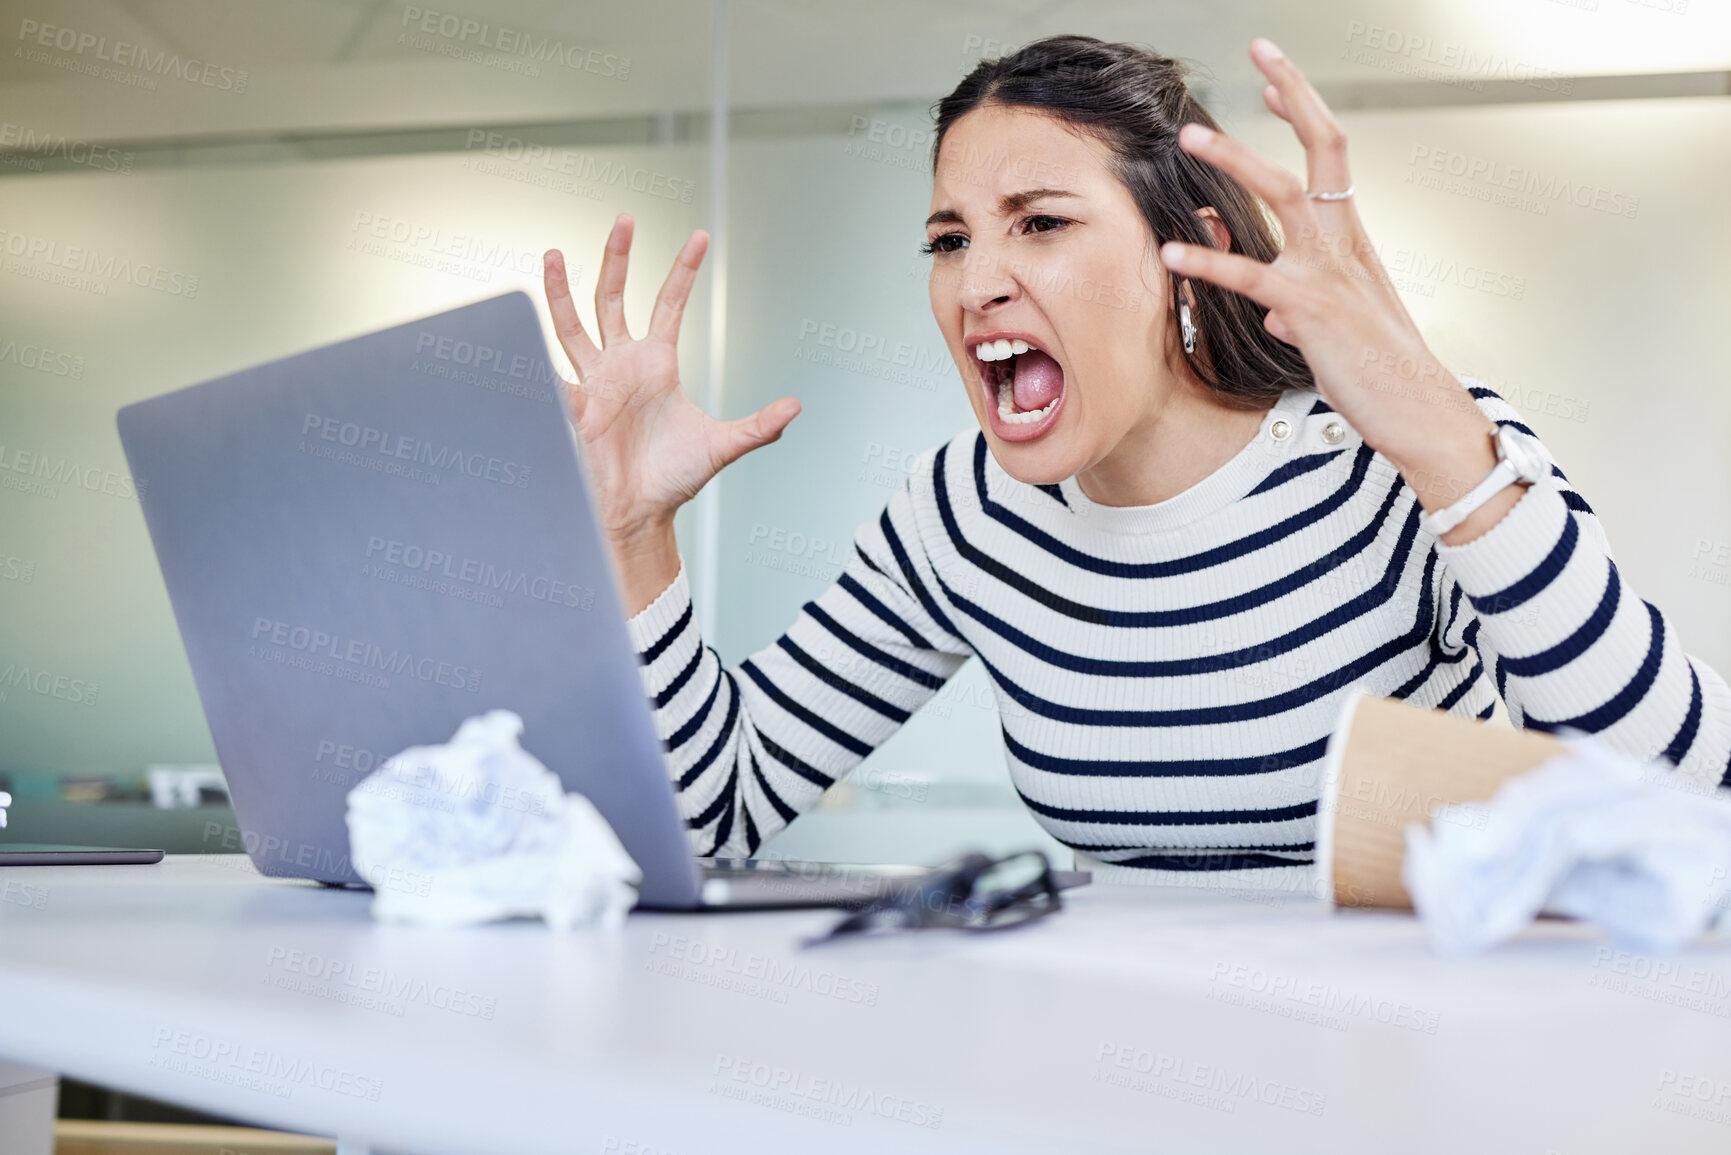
column 1187, row 326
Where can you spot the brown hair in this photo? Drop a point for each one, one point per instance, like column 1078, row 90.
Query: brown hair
column 1135, row 101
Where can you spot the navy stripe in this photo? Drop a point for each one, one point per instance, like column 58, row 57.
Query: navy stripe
column 1460, row 691
column 865, row 649
column 1623, row 700
column 1297, row 467
column 679, row 679
column 840, row 684
column 787, row 813
column 1679, row 747
column 1056, row 493
column 1410, row 687
column 795, row 763
column 695, row 723
column 1173, row 817
column 1320, row 406
column 667, row 639
column 1441, row 654
column 1484, row 715
column 1454, row 608
column 714, row 809
column 828, row 729
column 1576, row 502
column 1577, row 643
column 725, row 829
column 870, row 564
column 1533, row 584
column 1453, row 657
column 1189, row 564
column 884, row 614
column 1175, row 768
column 721, row 737
column 909, row 573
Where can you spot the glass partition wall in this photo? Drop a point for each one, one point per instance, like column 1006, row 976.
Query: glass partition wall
column 190, row 188
column 186, row 190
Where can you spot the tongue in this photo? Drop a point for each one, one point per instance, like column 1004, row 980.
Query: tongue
column 1038, row 380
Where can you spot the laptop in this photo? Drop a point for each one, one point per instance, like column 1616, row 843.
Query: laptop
column 54, row 854
column 366, row 544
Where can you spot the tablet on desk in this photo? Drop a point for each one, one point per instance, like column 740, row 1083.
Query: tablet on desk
column 48, row 854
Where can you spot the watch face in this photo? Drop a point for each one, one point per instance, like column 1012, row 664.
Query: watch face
column 1522, row 453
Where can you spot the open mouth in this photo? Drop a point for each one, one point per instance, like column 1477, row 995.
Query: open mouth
column 1026, row 382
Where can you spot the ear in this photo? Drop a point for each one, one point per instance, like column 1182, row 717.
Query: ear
column 1218, row 234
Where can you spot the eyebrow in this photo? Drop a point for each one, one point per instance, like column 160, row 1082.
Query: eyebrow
column 1007, row 204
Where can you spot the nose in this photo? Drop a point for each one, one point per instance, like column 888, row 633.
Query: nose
column 985, row 283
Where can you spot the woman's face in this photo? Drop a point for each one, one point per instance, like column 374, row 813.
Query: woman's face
column 1035, row 242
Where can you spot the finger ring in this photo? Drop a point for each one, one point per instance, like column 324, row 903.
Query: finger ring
column 1331, row 196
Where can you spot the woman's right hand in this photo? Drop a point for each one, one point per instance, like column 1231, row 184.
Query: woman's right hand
column 649, row 447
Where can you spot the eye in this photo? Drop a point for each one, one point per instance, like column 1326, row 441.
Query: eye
column 946, row 243
column 1042, row 223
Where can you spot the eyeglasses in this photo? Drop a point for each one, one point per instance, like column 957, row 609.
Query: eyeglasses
column 975, row 892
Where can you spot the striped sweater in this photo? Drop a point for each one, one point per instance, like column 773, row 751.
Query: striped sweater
column 1167, row 676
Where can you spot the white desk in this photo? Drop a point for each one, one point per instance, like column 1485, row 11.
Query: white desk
column 198, row 982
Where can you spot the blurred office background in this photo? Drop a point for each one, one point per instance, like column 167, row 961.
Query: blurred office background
column 188, row 187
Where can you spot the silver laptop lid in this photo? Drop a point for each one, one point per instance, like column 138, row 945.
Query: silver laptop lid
column 369, row 542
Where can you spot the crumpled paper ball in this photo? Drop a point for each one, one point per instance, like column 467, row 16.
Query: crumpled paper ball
column 487, row 832
column 1637, row 850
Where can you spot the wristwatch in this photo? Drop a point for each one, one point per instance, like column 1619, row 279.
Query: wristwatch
column 1520, row 459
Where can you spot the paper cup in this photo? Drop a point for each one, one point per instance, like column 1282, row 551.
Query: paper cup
column 1390, row 764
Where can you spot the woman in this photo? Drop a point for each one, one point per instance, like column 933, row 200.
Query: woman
column 1199, row 508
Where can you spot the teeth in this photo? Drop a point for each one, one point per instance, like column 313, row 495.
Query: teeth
column 1001, row 349
column 1007, row 407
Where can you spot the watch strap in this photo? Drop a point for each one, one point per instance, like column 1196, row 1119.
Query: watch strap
column 1501, row 476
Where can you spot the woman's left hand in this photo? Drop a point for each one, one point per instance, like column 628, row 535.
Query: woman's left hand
column 1327, row 294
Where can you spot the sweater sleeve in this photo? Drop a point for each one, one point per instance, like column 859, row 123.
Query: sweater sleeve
column 751, row 747
column 1569, row 644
